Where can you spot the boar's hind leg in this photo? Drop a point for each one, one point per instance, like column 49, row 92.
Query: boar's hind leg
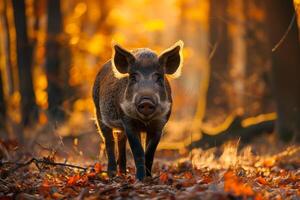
column 110, row 149
column 152, row 141
column 122, row 153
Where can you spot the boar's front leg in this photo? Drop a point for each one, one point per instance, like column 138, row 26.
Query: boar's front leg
column 122, row 153
column 110, row 149
column 152, row 141
column 137, row 150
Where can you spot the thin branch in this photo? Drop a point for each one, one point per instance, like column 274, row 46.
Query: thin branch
column 212, row 53
column 40, row 161
column 285, row 34
column 3, row 181
column 47, row 162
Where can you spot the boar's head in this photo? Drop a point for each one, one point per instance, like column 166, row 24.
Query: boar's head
column 147, row 94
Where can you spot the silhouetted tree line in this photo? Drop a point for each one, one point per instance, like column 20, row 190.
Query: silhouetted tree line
column 282, row 78
column 272, row 48
column 25, row 47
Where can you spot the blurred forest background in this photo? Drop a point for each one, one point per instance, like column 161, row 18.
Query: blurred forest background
column 241, row 64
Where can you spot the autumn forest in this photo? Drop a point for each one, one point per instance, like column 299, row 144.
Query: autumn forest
column 234, row 128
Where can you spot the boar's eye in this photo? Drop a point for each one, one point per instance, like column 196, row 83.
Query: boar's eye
column 158, row 78
column 133, row 77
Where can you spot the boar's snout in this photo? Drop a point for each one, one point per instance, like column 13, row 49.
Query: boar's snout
column 146, row 105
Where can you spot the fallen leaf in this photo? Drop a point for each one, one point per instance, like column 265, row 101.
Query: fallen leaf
column 233, row 184
column 259, row 197
column 57, row 195
column 73, row 180
column 188, row 175
column 98, row 167
column 164, row 177
column 261, row 180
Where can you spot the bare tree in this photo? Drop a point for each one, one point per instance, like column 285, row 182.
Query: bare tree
column 218, row 105
column 284, row 40
column 7, row 49
column 29, row 109
column 258, row 91
column 2, row 104
column 53, row 61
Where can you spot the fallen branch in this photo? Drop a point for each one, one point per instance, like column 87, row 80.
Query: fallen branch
column 37, row 162
column 59, row 164
column 234, row 131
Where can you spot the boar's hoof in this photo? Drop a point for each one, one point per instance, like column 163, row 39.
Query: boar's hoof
column 140, row 173
column 112, row 173
column 122, row 171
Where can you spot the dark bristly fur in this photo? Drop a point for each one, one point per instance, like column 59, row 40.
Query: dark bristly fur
column 140, row 101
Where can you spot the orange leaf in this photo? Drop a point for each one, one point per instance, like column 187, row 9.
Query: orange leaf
column 45, row 183
column 207, row 180
column 229, row 174
column 262, row 180
column 164, row 177
column 189, row 182
column 269, row 162
column 233, row 184
column 57, row 195
column 98, row 167
column 73, row 179
column 259, row 197
column 45, row 187
column 188, row 175
column 91, row 174
column 84, row 179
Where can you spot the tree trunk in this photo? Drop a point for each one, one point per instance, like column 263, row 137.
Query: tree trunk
column 6, row 42
column 228, row 62
column 235, row 131
column 53, row 61
column 258, row 92
column 28, row 106
column 218, row 105
column 285, row 66
column 237, row 55
column 2, row 104
column 297, row 8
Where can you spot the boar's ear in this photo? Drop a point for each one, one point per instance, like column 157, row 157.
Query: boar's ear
column 172, row 59
column 121, row 60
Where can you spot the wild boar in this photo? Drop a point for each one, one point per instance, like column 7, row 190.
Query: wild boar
column 132, row 94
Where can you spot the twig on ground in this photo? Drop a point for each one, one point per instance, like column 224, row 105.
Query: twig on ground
column 39, row 161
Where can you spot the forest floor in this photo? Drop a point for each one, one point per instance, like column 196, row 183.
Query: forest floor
column 65, row 163
column 257, row 171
